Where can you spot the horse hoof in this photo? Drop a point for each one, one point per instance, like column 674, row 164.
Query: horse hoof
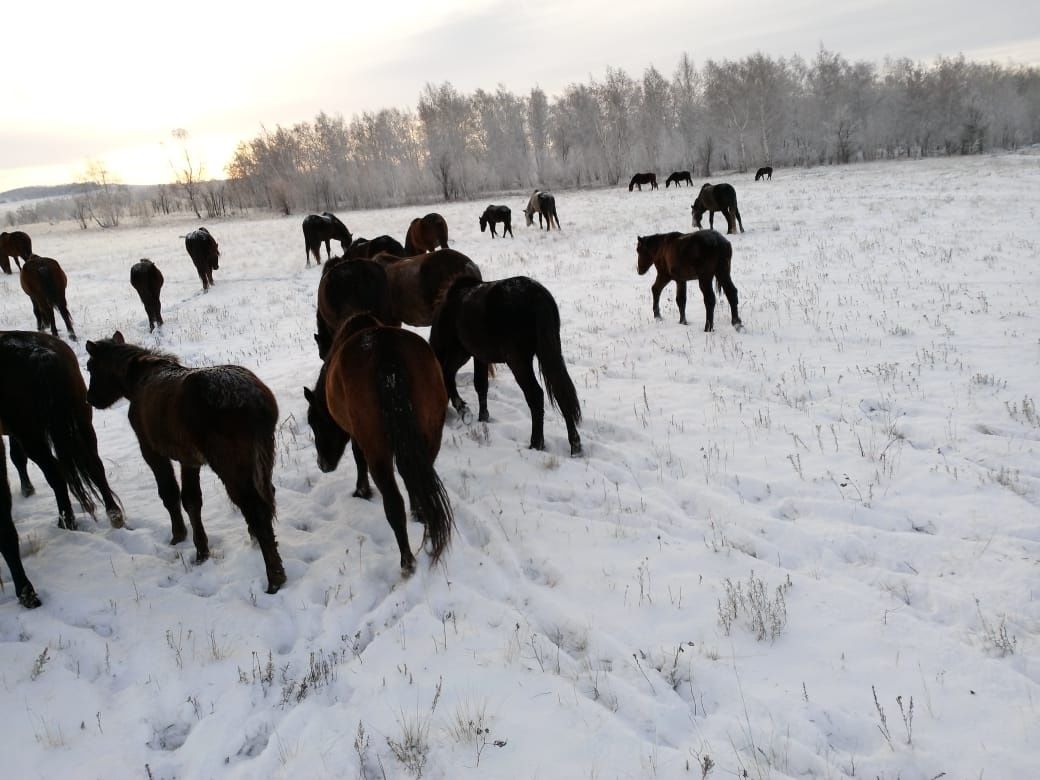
column 575, row 450
column 28, row 598
column 465, row 415
column 538, row 445
column 67, row 523
column 483, row 417
column 407, row 568
column 365, row 493
column 201, row 557
column 178, row 538
column 275, row 582
column 115, row 519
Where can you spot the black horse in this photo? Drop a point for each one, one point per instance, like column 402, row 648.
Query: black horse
column 364, row 249
column 204, row 253
column 643, row 178
column 507, row 321
column 147, row 279
column 764, row 173
column 678, row 177
column 493, row 215
column 717, row 197
column 17, row 245
column 323, row 227
column 542, row 204
column 349, row 287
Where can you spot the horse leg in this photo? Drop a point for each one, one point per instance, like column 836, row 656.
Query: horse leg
column 730, row 290
column 480, row 384
column 680, row 300
column 363, row 489
column 21, row 466
column 63, row 309
column 452, row 357
column 9, row 540
column 659, row 284
column 259, row 515
column 97, row 474
column 169, row 492
column 508, row 228
column 711, row 219
column 709, row 302
column 39, row 452
column 523, row 372
column 328, row 250
column 38, row 313
column 740, row 222
column 393, row 508
column 191, row 500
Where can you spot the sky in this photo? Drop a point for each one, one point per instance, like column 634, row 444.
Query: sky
column 111, row 82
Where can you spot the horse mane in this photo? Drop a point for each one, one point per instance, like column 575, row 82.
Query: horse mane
column 137, row 356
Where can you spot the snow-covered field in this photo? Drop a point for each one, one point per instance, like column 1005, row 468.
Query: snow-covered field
column 807, row 549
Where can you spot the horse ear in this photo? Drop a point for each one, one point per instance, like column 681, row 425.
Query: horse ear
column 308, row 395
column 90, row 347
column 117, row 337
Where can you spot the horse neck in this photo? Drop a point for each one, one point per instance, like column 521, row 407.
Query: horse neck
column 142, row 368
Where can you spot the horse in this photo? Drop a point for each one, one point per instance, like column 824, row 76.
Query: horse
column 48, row 420
column 44, row 281
column 542, row 203
column 677, row 177
column 204, row 253
column 418, row 283
column 147, row 279
column 16, row 245
column 363, row 249
column 347, row 287
column 764, row 173
column 718, row 197
column 507, row 321
column 323, row 227
column 682, row 257
column 223, row 416
column 643, row 178
column 381, row 390
column 425, row 234
column 493, row 215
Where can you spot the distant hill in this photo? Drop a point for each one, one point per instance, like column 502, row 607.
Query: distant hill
column 36, row 193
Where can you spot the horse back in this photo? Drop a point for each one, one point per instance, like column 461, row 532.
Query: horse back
column 694, row 255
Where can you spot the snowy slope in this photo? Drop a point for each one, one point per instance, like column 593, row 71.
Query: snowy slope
column 860, row 461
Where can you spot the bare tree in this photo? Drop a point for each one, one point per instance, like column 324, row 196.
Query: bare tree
column 188, row 174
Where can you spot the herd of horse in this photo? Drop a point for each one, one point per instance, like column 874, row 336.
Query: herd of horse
column 382, row 389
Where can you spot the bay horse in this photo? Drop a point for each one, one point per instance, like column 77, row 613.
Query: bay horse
column 348, row 287
column 204, row 253
column 323, row 227
column 381, row 391
column 44, row 281
column 17, row 245
column 222, row 416
column 643, row 178
column 147, row 279
column 717, row 197
column 679, row 257
column 507, row 321
column 425, row 234
column 493, row 215
column 764, row 173
column 542, row 204
column 48, row 420
column 418, row 283
column 363, row 249
column 678, row 177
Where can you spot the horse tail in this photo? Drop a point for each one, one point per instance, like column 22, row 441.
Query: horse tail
column 411, row 452
column 409, row 243
column 442, row 230
column 263, row 464
column 558, row 384
column 723, row 266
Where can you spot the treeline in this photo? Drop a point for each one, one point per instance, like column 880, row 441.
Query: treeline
column 727, row 114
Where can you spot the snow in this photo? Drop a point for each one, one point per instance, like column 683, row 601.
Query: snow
column 861, row 460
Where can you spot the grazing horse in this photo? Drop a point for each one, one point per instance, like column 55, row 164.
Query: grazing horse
column 44, row 281
column 718, row 197
column 16, row 245
column 507, row 321
column 764, row 173
column 677, row 177
column 204, row 253
column 323, row 227
column 381, row 391
column 363, row 249
column 222, row 416
column 682, row 257
column 493, row 215
column 48, row 419
column 643, row 178
column 542, row 204
column 418, row 283
column 348, row 287
column 147, row 279
column 425, row 234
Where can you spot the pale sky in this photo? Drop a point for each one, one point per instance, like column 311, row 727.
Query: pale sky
column 110, row 80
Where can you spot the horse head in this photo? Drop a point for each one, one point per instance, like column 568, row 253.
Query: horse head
column 329, row 439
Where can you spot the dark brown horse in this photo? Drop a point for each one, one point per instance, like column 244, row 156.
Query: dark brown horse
column 44, row 281
column 680, row 257
column 16, row 245
column 425, row 234
column 348, row 287
column 323, row 227
column 222, row 416
column 381, row 391
column 147, row 279
column 204, row 253
column 764, row 173
column 44, row 410
column 417, row 283
column 507, row 321
column 493, row 215
column 717, row 197
column 643, row 178
column 363, row 249
column 542, row 204
column 678, row 177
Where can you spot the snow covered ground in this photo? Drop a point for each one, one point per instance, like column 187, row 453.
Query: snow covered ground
column 807, row 549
